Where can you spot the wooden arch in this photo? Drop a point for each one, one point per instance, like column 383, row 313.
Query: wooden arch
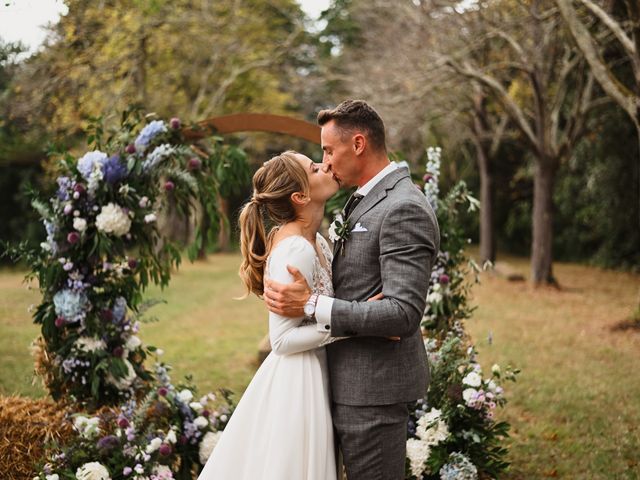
column 255, row 122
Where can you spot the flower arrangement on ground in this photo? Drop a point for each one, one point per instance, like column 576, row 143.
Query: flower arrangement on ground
column 453, row 433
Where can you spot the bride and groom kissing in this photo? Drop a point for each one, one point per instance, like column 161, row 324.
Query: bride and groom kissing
column 344, row 323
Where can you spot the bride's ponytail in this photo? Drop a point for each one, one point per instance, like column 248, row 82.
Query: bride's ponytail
column 273, row 185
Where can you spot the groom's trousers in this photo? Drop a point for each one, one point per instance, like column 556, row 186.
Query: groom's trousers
column 373, row 440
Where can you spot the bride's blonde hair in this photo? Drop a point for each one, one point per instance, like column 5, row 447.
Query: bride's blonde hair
column 273, row 185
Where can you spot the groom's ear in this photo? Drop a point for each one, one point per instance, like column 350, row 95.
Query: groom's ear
column 359, row 143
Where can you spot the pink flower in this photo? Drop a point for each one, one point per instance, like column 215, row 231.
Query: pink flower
column 73, row 237
column 131, row 148
column 162, row 391
column 174, row 123
column 165, row 449
column 169, row 186
column 123, row 423
column 59, row 322
column 444, row 279
column 194, row 164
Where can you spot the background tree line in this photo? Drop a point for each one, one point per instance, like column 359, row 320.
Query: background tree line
column 535, row 102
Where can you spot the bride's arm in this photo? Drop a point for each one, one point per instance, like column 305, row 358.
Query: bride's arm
column 286, row 334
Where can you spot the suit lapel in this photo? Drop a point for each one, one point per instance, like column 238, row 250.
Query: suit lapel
column 371, row 199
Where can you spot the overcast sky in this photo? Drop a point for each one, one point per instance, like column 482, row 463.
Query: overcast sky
column 22, row 19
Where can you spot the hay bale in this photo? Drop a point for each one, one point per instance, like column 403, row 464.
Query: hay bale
column 26, row 424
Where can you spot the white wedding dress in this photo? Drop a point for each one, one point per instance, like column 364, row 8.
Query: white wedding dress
column 281, row 428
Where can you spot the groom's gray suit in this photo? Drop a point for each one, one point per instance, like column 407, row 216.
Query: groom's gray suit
column 372, row 377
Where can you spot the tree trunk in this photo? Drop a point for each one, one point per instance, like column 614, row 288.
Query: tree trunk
column 224, row 234
column 487, row 232
column 541, row 255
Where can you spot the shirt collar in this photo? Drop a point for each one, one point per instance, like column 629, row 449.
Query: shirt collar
column 367, row 187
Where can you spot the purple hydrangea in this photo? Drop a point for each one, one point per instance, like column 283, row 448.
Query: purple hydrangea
column 64, row 185
column 107, row 443
column 148, row 133
column 114, row 170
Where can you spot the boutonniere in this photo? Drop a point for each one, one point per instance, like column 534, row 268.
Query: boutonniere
column 339, row 230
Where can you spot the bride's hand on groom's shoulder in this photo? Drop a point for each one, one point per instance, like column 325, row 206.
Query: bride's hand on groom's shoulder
column 287, row 299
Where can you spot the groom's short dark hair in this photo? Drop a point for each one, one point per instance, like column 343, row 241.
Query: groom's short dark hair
column 353, row 115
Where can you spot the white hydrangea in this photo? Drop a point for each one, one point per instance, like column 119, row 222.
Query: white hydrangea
column 113, row 219
column 431, row 428
column 418, row 453
column 133, row 342
column 124, row 382
column 472, row 379
column 185, row 395
column 87, row 427
column 201, row 422
column 208, row 443
column 92, row 471
column 90, row 344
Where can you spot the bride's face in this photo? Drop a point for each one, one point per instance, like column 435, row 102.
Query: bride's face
column 322, row 185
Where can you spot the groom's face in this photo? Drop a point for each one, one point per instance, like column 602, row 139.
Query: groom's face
column 339, row 155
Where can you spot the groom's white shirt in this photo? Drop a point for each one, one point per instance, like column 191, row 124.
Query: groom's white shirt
column 324, row 303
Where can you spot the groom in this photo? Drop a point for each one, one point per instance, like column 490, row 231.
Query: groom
column 390, row 247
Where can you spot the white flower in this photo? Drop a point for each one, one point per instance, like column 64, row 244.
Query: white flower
column 46, row 247
column 418, row 453
column 92, row 471
column 80, row 224
column 162, row 472
column 185, row 396
column 207, row 445
column 431, row 428
column 197, row 406
column 495, row 369
column 201, row 422
column 133, row 342
column 87, row 427
column 154, row 445
column 469, row 395
column 113, row 219
column 434, row 297
column 472, row 379
column 53, row 476
column 333, row 235
column 89, row 344
column 124, row 189
column 171, row 437
column 144, row 201
column 150, row 217
column 159, row 153
column 122, row 383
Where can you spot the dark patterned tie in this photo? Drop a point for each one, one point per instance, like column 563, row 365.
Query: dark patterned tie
column 352, row 203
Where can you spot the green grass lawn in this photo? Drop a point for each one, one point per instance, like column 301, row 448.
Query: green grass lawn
column 575, row 410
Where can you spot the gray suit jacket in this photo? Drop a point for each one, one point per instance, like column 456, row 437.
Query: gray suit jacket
column 394, row 256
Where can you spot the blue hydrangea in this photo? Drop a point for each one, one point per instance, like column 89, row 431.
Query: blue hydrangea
column 88, row 160
column 458, row 468
column 148, row 133
column 71, row 305
column 114, row 170
column 119, row 309
column 65, row 185
column 154, row 158
column 52, row 230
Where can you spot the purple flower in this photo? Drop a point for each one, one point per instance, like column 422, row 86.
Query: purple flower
column 174, row 123
column 79, row 188
column 127, row 470
column 114, row 170
column 193, row 164
column 73, row 237
column 162, row 391
column 123, row 422
column 169, row 186
column 118, row 351
column 64, row 185
column 131, row 149
column 133, row 263
column 60, row 322
column 108, row 442
column 165, row 449
column 148, row 133
column 444, row 279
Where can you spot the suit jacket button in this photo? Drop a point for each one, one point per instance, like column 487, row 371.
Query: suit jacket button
column 327, row 327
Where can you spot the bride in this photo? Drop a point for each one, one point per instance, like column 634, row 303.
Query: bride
column 282, row 428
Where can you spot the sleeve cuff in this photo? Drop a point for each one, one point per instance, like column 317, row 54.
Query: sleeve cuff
column 323, row 313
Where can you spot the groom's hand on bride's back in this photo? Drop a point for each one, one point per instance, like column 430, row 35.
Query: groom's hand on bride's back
column 287, row 299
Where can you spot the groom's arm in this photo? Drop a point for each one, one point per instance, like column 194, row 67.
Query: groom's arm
column 409, row 242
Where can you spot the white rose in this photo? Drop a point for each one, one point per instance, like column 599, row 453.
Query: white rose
column 154, row 445
column 491, row 386
column 418, row 453
column 80, row 224
column 171, row 437
column 92, row 471
column 201, row 422
column 133, row 342
column 87, row 427
column 472, row 379
column 53, row 476
column 113, row 219
column 207, row 445
column 469, row 394
column 144, row 201
column 151, row 217
column 185, row 396
column 197, row 406
column 495, row 369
